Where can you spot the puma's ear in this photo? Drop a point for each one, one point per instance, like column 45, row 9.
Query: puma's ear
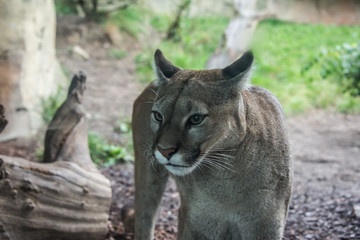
column 240, row 70
column 163, row 68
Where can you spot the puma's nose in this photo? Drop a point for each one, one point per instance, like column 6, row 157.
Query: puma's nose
column 167, row 153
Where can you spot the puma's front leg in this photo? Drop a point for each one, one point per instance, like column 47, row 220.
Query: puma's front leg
column 149, row 187
column 150, row 176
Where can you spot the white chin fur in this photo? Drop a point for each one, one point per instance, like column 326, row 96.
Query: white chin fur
column 180, row 171
column 176, row 160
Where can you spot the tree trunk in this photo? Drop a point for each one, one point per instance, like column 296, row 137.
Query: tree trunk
column 239, row 32
column 63, row 198
column 29, row 70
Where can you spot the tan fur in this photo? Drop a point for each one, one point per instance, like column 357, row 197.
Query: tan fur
column 241, row 185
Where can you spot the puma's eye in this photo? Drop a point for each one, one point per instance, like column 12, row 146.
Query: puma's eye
column 158, row 117
column 196, row 119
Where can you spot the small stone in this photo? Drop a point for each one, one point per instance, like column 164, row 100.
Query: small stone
column 309, row 214
column 14, row 193
column 309, row 236
column 171, row 218
column 357, row 210
column 85, row 190
column 311, row 219
column 340, row 209
column 128, row 217
column 78, row 51
column 29, row 204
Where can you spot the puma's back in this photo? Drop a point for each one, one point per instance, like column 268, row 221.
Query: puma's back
column 224, row 142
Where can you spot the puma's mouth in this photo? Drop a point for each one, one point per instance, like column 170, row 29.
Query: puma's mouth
column 175, row 165
column 179, row 170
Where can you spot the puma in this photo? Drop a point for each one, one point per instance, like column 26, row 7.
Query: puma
column 224, row 142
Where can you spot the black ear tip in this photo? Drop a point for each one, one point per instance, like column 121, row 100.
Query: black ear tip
column 248, row 55
column 239, row 66
column 158, row 53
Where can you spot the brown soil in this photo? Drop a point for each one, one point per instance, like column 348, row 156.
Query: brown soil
column 325, row 147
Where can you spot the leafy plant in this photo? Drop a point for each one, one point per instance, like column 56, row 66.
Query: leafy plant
column 283, row 50
column 51, row 104
column 341, row 64
column 104, row 154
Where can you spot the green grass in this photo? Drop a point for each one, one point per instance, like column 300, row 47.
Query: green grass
column 282, row 50
column 116, row 53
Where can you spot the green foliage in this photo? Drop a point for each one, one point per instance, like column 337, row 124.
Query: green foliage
column 160, row 22
column 124, row 128
column 116, row 53
column 104, row 154
column 65, row 7
column 282, row 51
column 341, row 64
column 129, row 20
column 199, row 37
column 51, row 104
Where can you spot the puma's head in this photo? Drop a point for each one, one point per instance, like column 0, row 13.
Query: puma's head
column 197, row 114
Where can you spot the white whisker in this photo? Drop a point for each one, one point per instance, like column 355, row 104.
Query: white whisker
column 217, row 159
column 221, row 161
column 150, row 158
column 147, row 102
column 233, row 131
column 220, row 166
column 154, row 92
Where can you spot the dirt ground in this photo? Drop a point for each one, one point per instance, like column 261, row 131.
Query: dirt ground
column 325, row 148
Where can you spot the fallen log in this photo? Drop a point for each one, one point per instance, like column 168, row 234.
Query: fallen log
column 63, row 197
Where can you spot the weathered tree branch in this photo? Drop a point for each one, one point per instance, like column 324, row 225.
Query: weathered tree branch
column 63, row 198
column 3, row 121
column 174, row 27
